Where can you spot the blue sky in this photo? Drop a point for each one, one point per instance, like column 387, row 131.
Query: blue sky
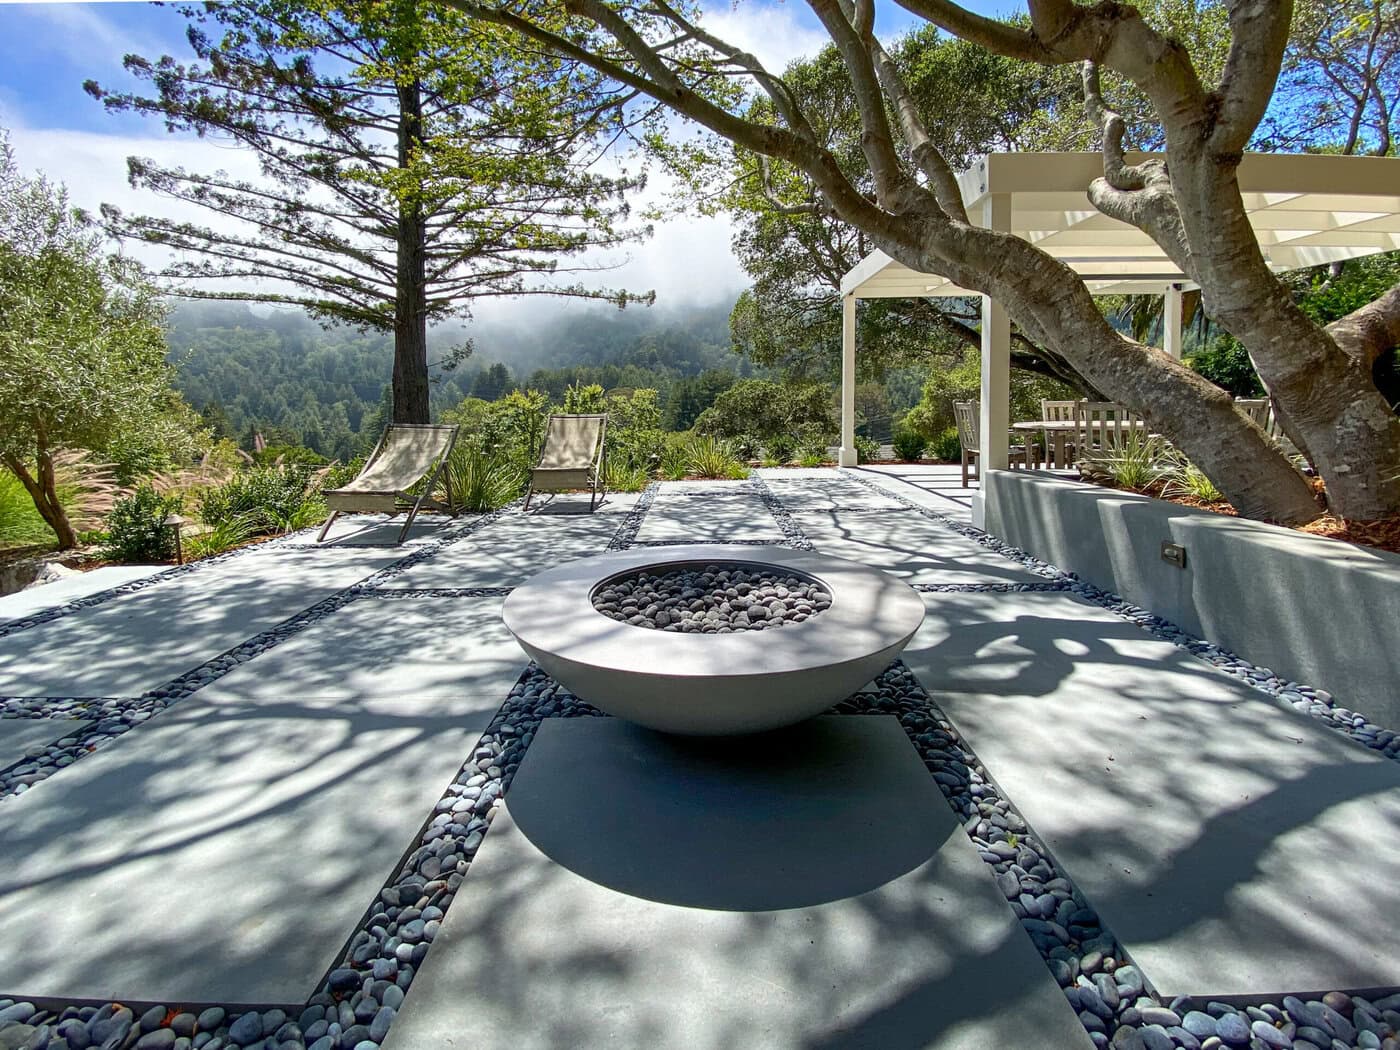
column 48, row 50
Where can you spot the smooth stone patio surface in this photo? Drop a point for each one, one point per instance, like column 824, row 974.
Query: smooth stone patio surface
column 513, row 548
column 910, row 546
column 249, row 840
column 709, row 517
column 142, row 640
column 828, row 495
column 1234, row 846
column 381, row 530
column 446, row 648
column 808, row 889
column 60, row 592
column 937, row 486
column 18, row 735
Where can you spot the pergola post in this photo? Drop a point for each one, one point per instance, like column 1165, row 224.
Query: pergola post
column 1171, row 320
column 996, row 365
column 847, row 455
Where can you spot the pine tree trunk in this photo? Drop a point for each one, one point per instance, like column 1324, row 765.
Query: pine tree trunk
column 410, row 304
column 44, row 491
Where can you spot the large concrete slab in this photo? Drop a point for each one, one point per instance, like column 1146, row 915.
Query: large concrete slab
column 511, row 550
column 910, row 546
column 804, row 889
column 937, row 486
column 140, row 641
column 708, row 516
column 382, row 531
column 377, row 648
column 831, row 494
column 18, row 735
column 1233, row 845
column 80, row 585
column 224, row 851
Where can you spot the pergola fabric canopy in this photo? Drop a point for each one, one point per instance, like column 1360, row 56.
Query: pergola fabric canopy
column 1306, row 210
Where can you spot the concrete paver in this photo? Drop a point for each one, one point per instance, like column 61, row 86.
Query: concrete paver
column 806, row 889
column 142, row 640
column 224, row 851
column 372, row 648
column 1233, row 846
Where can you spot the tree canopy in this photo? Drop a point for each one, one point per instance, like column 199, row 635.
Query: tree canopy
column 82, row 351
column 1206, row 106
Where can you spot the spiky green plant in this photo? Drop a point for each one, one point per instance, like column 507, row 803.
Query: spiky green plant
column 480, row 480
column 708, row 457
column 1184, row 478
column 224, row 536
column 1136, row 462
column 620, row 477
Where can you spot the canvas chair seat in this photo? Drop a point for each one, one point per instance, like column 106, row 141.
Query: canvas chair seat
column 572, row 457
column 408, row 454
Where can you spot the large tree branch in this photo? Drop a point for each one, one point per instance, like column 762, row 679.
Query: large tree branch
column 1369, row 332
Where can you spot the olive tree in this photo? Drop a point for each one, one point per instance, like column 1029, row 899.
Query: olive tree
column 1188, row 201
column 82, row 348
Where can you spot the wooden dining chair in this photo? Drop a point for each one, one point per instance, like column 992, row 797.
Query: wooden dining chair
column 1103, row 425
column 968, row 417
column 1059, row 446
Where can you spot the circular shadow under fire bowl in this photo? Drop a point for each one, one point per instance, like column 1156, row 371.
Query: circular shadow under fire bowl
column 714, row 684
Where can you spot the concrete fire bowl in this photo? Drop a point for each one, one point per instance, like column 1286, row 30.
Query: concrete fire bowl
column 713, row 684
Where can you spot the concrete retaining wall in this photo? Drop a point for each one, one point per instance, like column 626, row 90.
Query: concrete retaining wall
column 1320, row 612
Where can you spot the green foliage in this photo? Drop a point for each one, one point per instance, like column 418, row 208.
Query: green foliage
column 525, row 416
column 581, row 399
column 673, row 459
column 80, row 338
column 272, row 455
column 811, row 457
column 20, row 523
column 137, row 529
column 1138, row 461
column 481, row 480
column 710, row 457
column 338, row 474
column 1184, row 478
column 634, row 438
column 619, row 477
column 224, row 536
column 946, row 447
column 274, row 498
column 1225, row 362
column 908, row 443
column 867, row 449
column 781, row 449
column 764, row 410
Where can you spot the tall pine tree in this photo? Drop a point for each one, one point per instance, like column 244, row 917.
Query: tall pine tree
column 412, row 161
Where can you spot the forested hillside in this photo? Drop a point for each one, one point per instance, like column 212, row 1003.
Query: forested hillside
column 283, row 375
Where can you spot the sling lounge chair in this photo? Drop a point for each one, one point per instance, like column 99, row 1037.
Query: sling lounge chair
column 572, row 457
column 407, row 454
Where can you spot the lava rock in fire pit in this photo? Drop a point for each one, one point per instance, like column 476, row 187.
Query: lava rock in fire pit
column 712, row 599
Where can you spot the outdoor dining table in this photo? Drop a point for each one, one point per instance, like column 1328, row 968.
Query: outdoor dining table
column 1058, row 433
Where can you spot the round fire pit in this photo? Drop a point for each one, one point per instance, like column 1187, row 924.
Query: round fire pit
column 713, row 639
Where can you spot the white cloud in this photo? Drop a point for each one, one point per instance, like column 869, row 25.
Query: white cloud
column 87, row 37
column 772, row 31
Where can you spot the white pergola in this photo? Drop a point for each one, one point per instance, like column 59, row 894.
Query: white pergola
column 1305, row 209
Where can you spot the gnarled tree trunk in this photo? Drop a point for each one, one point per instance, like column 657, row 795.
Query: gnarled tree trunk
column 44, row 491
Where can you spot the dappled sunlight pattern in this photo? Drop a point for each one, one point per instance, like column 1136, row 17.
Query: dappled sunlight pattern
column 608, row 949
column 1233, row 845
column 709, row 516
column 248, row 840
column 424, row 648
column 139, row 641
column 18, row 736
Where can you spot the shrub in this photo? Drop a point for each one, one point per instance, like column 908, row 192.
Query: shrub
column 1139, row 461
column 708, row 457
column 908, row 443
column 580, row 399
column 222, row 537
column 622, row 477
column 481, row 480
column 867, row 449
column 340, row 474
column 781, row 449
column 137, row 529
column 672, row 463
column 811, row 457
column 946, row 447
column 270, row 496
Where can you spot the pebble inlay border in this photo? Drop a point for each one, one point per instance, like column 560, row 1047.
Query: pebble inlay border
column 359, row 999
